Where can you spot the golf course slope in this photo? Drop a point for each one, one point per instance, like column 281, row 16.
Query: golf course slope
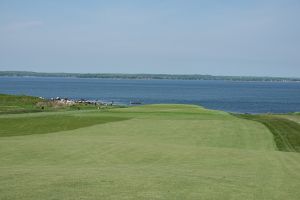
column 146, row 152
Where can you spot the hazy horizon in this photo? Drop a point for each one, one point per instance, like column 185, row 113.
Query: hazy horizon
column 232, row 38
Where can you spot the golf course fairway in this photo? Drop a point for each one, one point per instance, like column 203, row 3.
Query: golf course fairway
column 145, row 152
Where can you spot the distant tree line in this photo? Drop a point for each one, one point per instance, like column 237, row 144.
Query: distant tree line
column 145, row 76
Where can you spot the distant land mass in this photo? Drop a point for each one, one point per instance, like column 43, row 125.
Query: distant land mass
column 145, row 76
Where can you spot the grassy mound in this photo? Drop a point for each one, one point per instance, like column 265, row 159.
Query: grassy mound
column 18, row 104
column 14, row 104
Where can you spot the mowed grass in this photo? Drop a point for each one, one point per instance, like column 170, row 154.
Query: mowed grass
column 286, row 130
column 158, row 152
column 47, row 124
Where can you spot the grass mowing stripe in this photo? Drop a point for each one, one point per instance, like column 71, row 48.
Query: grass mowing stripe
column 51, row 123
column 286, row 132
column 151, row 156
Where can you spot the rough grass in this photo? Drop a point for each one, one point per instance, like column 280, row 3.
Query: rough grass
column 162, row 152
column 16, row 104
column 286, row 132
column 293, row 117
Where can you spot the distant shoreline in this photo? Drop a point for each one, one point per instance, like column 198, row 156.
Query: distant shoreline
column 147, row 76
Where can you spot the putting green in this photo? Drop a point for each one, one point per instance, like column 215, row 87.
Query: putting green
column 145, row 152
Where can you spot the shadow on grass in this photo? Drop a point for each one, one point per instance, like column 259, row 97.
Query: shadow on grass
column 48, row 124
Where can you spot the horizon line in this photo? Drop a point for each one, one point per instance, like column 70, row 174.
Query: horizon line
column 122, row 73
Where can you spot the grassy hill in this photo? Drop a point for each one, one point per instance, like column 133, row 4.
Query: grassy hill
column 13, row 104
column 17, row 104
column 145, row 152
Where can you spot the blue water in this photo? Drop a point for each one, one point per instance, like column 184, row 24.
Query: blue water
column 242, row 97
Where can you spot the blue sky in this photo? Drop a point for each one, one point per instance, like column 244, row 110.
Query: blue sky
column 250, row 37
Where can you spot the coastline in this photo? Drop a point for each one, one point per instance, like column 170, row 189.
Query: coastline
column 124, row 76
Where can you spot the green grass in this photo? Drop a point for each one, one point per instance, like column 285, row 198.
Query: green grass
column 47, row 124
column 14, row 104
column 286, row 132
column 18, row 104
column 293, row 117
column 159, row 152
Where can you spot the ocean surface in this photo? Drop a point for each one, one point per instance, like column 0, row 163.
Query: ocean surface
column 240, row 97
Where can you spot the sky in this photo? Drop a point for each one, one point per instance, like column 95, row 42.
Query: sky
column 217, row 37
